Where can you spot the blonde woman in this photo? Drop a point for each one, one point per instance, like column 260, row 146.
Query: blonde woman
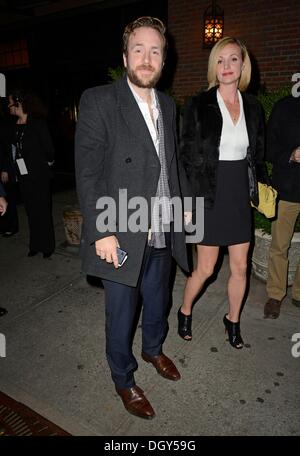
column 222, row 143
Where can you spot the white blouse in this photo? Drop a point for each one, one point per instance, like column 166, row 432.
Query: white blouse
column 234, row 137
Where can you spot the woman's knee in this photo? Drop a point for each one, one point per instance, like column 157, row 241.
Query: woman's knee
column 205, row 269
column 239, row 269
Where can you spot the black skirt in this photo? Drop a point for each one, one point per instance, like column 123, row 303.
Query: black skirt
column 229, row 221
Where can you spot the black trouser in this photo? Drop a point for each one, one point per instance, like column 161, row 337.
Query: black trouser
column 38, row 204
column 121, row 304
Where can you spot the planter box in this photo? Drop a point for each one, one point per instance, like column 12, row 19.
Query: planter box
column 72, row 220
column 261, row 255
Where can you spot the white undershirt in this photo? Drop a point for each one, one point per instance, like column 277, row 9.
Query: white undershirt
column 144, row 108
column 234, row 137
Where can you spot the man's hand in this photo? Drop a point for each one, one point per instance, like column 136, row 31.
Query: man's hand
column 3, row 205
column 295, row 155
column 4, row 177
column 106, row 249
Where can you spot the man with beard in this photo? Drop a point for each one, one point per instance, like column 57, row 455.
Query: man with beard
column 125, row 148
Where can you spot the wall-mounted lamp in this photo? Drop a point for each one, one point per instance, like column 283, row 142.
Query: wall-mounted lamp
column 213, row 25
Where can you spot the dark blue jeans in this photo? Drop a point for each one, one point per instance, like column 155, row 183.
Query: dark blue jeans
column 120, row 306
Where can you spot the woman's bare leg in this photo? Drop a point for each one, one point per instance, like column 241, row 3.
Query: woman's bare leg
column 238, row 255
column 206, row 260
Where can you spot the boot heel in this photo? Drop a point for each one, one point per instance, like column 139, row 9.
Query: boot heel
column 184, row 325
column 234, row 333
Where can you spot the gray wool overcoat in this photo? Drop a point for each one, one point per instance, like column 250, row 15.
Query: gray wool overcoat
column 115, row 156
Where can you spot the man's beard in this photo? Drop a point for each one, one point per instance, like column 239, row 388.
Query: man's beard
column 139, row 82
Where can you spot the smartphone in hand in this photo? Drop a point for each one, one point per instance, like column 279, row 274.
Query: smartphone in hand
column 122, row 256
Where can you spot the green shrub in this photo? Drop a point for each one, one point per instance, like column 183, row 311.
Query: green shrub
column 261, row 222
column 268, row 99
column 116, row 73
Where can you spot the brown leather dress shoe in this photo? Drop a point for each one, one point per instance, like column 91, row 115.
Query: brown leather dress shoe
column 164, row 366
column 272, row 308
column 136, row 402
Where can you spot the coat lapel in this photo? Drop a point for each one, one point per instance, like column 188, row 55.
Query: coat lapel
column 133, row 116
column 168, row 129
column 248, row 112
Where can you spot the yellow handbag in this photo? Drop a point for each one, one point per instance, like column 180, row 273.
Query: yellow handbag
column 267, row 200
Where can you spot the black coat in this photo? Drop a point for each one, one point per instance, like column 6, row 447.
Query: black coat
column 200, row 141
column 283, row 136
column 114, row 151
column 2, row 192
column 37, row 150
column 6, row 159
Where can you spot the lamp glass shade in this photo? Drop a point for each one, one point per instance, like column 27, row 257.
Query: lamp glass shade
column 213, row 25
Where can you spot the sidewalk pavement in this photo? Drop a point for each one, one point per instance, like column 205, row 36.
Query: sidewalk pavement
column 55, row 353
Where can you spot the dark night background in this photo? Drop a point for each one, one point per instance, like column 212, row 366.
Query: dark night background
column 69, row 52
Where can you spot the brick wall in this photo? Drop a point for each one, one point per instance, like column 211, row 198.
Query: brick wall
column 269, row 28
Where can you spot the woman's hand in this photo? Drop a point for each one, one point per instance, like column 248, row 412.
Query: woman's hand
column 295, row 155
column 187, row 218
column 3, row 205
column 4, row 177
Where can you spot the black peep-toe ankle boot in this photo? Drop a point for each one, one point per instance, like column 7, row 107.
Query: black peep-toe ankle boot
column 234, row 333
column 184, row 325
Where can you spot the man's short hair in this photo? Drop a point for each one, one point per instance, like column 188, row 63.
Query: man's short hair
column 145, row 21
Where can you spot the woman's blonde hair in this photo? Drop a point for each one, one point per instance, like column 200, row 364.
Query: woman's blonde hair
column 213, row 59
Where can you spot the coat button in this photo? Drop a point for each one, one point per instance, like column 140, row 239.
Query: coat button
column 128, row 160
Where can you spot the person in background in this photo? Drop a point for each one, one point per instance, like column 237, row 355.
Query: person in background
column 10, row 223
column 283, row 151
column 32, row 153
column 3, row 206
column 222, row 147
